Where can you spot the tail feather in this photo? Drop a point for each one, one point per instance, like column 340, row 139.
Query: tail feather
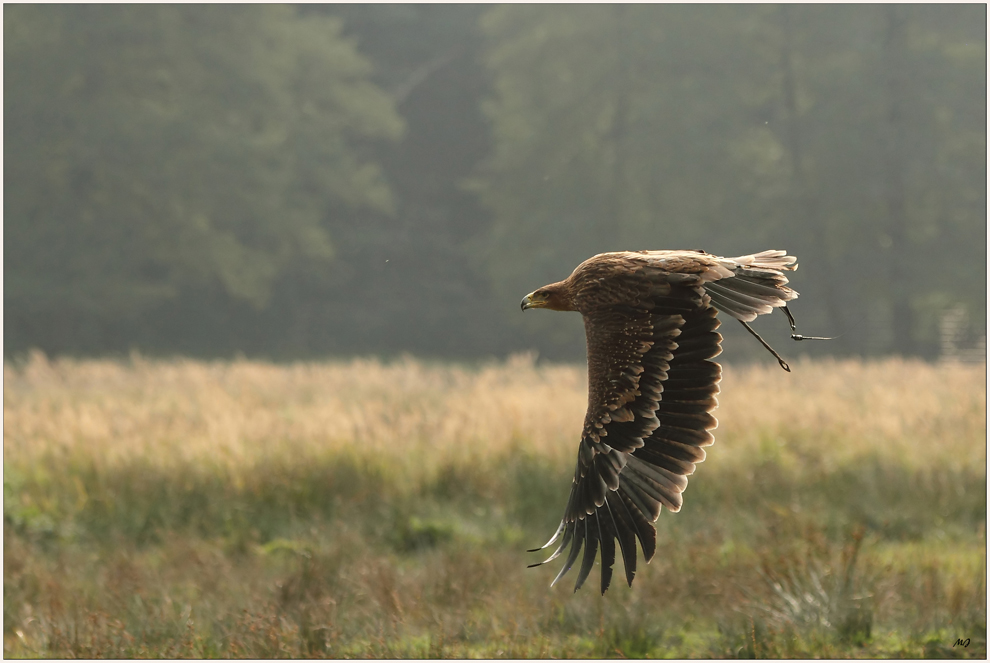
column 771, row 259
column 757, row 285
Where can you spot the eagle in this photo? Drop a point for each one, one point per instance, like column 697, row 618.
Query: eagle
column 650, row 322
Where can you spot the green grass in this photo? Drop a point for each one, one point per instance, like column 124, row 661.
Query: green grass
column 194, row 510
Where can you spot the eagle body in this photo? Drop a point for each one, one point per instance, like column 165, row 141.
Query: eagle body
column 650, row 322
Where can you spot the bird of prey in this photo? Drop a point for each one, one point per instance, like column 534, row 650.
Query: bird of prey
column 650, row 321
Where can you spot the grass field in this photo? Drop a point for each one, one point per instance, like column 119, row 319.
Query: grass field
column 243, row 509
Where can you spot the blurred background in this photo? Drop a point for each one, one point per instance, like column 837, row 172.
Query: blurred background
column 302, row 182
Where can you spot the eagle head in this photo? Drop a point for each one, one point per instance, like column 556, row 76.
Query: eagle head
column 555, row 297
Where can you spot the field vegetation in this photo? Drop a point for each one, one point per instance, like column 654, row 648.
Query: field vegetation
column 368, row 509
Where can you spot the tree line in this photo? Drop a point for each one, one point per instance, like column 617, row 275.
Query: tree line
column 293, row 182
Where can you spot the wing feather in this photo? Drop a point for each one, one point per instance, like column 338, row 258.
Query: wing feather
column 606, row 539
column 625, row 532
column 590, row 549
column 652, row 388
column 643, row 525
column 636, row 379
column 578, row 541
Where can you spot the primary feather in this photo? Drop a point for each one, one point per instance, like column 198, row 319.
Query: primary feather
column 650, row 321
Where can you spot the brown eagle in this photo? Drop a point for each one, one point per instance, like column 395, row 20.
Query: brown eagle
column 650, row 321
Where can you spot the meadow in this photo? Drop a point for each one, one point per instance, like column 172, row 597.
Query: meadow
column 370, row 509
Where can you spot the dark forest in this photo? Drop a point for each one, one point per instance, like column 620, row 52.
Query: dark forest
column 320, row 181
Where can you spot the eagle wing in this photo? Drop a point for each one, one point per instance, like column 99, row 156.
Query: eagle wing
column 651, row 390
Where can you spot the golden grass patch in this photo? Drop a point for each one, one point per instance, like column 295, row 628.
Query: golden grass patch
column 362, row 508
column 241, row 412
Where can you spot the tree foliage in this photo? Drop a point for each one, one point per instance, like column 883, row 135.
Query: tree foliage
column 852, row 136
column 153, row 150
column 303, row 181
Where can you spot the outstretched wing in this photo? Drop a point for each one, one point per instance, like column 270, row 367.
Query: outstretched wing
column 651, row 392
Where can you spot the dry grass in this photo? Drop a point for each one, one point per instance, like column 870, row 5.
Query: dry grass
column 366, row 509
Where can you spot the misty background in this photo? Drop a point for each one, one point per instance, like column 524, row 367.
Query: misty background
column 328, row 180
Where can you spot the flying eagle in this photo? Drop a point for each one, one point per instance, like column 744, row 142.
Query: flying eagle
column 650, row 321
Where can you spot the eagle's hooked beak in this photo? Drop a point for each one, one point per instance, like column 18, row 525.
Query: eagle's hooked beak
column 535, row 299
